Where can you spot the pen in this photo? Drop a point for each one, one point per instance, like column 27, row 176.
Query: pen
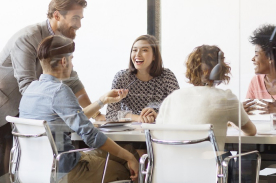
column 130, row 84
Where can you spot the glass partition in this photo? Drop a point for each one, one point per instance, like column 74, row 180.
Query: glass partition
column 228, row 25
column 195, row 38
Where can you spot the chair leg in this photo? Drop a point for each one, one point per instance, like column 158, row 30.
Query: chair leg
column 11, row 164
column 14, row 159
column 143, row 171
column 105, row 166
column 227, row 160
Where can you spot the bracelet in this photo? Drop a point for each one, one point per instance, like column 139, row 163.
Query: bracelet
column 96, row 114
column 100, row 103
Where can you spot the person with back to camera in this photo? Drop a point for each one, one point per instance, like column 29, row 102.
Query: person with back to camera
column 148, row 82
column 204, row 103
column 19, row 65
column 52, row 100
column 263, row 84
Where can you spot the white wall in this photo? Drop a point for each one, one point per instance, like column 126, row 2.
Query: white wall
column 105, row 39
column 103, row 43
column 227, row 24
column 110, row 26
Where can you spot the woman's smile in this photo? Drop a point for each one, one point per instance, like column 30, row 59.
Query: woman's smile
column 142, row 55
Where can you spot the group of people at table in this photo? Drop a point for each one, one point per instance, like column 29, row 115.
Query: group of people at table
column 37, row 81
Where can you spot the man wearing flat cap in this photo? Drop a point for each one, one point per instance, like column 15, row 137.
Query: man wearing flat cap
column 19, row 65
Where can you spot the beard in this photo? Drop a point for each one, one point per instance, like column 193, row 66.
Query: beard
column 67, row 31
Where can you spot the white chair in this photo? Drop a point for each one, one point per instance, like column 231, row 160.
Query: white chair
column 34, row 157
column 183, row 153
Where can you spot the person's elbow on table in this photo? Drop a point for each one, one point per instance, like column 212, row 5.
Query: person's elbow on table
column 249, row 129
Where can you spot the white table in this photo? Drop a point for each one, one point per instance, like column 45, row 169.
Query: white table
column 233, row 137
column 137, row 135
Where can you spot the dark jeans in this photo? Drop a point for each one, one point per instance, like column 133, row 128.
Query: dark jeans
column 5, row 148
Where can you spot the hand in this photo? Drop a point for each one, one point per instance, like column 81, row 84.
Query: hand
column 114, row 96
column 147, row 115
column 267, row 107
column 249, row 106
column 100, row 117
column 133, row 168
column 113, row 148
column 149, row 112
column 229, row 123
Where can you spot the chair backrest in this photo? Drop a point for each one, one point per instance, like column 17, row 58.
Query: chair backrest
column 37, row 150
column 181, row 153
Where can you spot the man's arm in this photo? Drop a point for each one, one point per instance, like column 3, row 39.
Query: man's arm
column 23, row 58
column 110, row 97
column 70, row 111
column 83, row 98
column 84, row 101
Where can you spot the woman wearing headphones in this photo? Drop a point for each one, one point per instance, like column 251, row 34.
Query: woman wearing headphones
column 203, row 103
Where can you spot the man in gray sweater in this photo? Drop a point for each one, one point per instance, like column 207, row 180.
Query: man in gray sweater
column 19, row 65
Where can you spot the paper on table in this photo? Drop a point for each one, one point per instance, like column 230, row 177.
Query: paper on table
column 272, row 132
column 101, row 124
column 114, row 124
column 268, row 171
column 116, row 129
column 136, row 123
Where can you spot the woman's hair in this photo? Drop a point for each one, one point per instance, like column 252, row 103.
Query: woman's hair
column 261, row 37
column 157, row 64
column 63, row 6
column 52, row 49
column 208, row 55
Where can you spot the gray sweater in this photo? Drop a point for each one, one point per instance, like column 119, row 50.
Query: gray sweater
column 19, row 66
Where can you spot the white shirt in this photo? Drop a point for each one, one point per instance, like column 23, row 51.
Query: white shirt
column 203, row 105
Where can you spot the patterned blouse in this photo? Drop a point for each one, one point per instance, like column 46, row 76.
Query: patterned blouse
column 141, row 94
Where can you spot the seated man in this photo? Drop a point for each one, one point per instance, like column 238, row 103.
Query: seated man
column 51, row 100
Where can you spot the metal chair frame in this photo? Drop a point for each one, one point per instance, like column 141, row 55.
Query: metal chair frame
column 15, row 160
column 145, row 173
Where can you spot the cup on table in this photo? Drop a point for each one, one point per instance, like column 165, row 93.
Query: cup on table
column 273, row 121
column 122, row 115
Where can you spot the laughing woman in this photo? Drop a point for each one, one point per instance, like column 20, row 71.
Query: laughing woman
column 148, row 82
column 263, row 84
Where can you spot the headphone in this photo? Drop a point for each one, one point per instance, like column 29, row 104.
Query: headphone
column 217, row 69
column 272, row 41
